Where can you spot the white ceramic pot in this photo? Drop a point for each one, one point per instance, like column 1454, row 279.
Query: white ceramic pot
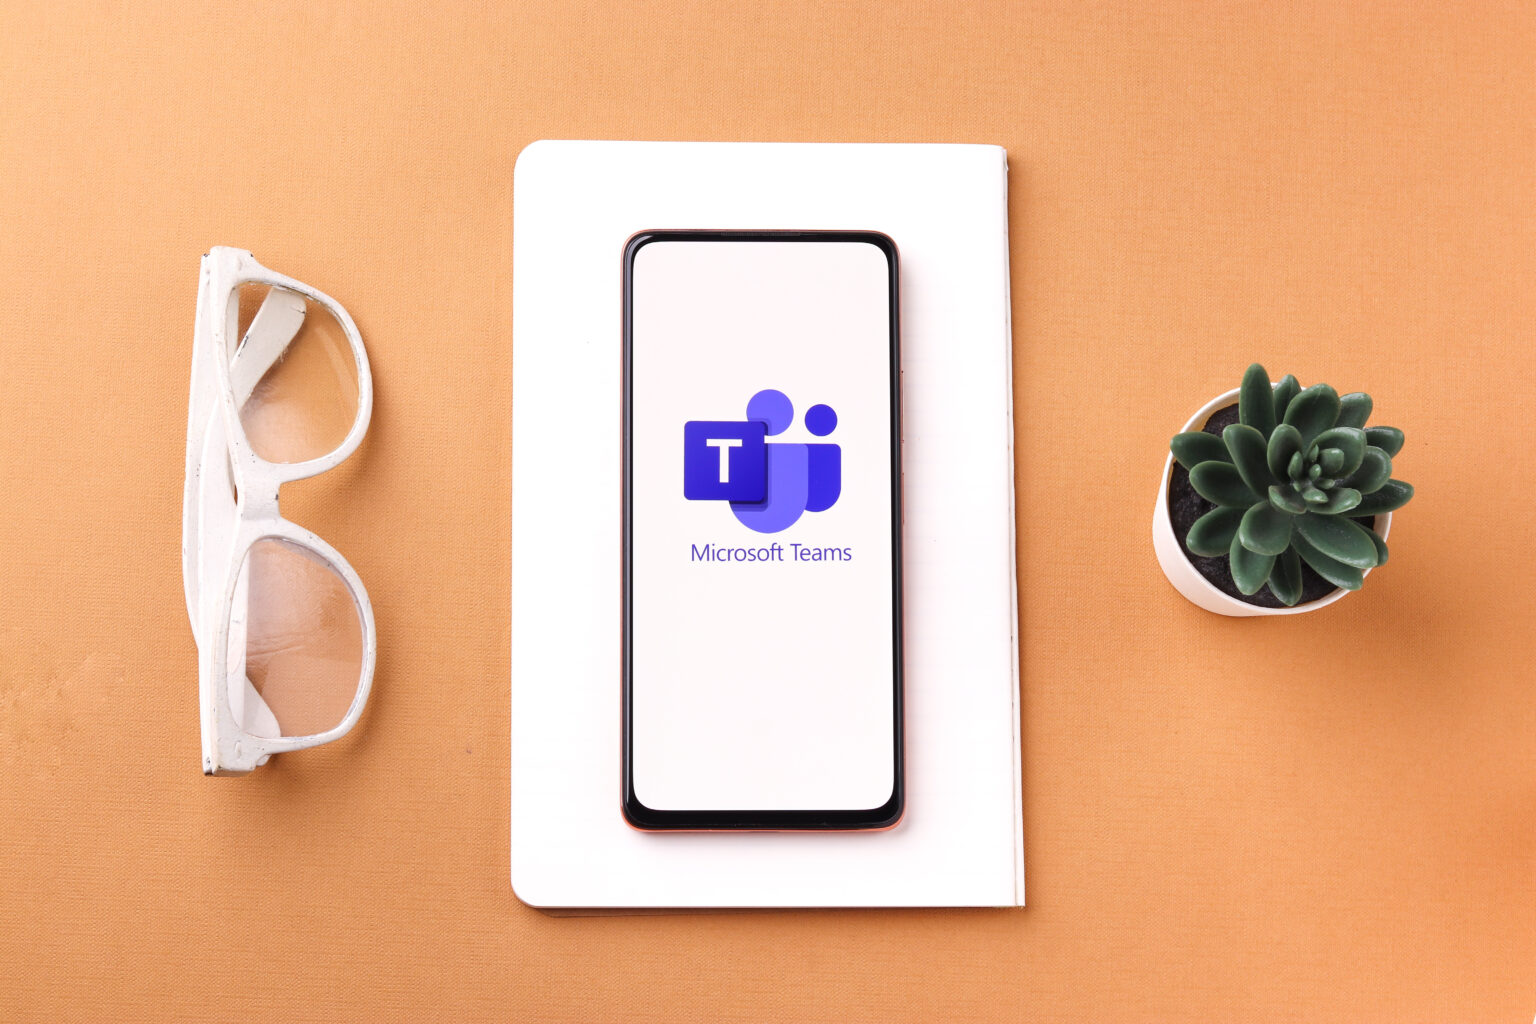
column 1186, row 579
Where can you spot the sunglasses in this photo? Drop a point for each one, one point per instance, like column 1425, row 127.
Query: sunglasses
column 284, row 630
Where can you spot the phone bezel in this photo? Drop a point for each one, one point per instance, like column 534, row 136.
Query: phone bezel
column 888, row 814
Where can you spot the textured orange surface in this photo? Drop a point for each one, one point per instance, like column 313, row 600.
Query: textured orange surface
column 1331, row 817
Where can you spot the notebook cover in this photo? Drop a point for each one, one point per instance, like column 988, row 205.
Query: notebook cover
column 575, row 203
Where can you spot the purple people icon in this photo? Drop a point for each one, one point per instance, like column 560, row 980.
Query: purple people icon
column 769, row 484
column 824, row 462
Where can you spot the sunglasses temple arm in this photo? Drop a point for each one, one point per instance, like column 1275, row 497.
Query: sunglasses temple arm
column 272, row 330
column 245, row 703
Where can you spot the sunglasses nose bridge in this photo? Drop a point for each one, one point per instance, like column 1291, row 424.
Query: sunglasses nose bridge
column 260, row 501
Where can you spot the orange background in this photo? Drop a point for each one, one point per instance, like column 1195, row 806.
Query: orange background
column 1330, row 817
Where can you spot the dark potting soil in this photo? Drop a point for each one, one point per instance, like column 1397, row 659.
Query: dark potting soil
column 1185, row 506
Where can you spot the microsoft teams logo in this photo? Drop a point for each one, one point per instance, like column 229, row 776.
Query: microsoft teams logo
column 768, row 483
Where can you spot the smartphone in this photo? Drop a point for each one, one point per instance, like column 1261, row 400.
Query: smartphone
column 762, row 662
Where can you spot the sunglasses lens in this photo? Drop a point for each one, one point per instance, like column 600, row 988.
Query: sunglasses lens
column 293, row 374
column 295, row 643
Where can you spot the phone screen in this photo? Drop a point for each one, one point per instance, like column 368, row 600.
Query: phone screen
column 762, row 675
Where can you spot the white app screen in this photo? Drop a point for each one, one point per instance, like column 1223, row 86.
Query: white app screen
column 762, row 662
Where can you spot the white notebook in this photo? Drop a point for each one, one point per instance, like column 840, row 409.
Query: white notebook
column 960, row 843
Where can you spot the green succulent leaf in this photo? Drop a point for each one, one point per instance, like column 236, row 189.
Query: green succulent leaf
column 1297, row 470
column 1338, row 538
column 1330, row 569
column 1314, row 495
column 1330, row 461
column 1340, row 500
column 1212, row 533
column 1196, row 446
column 1381, row 545
column 1247, row 448
column 1283, row 443
column 1350, row 441
column 1256, row 401
column 1220, row 482
column 1285, row 578
column 1390, row 497
column 1265, row 530
column 1286, row 500
column 1250, row 570
column 1354, row 409
column 1313, row 411
column 1375, row 470
column 1288, row 388
column 1388, row 439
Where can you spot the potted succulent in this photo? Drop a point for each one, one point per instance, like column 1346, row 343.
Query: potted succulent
column 1276, row 499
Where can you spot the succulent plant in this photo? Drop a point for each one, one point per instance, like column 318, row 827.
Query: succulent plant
column 1289, row 480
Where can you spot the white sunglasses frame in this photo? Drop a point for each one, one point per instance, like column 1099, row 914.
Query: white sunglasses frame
column 217, row 533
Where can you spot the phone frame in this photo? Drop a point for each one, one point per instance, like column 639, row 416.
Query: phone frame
column 888, row 814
